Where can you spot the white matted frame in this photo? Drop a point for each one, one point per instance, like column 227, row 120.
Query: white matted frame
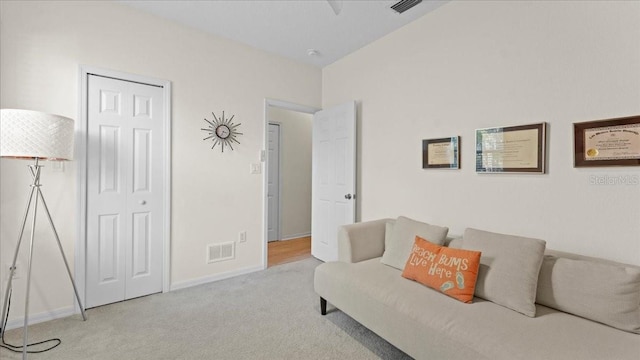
column 512, row 149
column 81, row 159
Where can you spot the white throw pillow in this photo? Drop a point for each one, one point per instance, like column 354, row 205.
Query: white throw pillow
column 509, row 268
column 397, row 247
column 601, row 292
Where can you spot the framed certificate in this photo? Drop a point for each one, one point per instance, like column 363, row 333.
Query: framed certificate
column 611, row 142
column 441, row 153
column 515, row 149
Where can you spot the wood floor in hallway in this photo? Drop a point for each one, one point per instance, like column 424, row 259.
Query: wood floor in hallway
column 281, row 252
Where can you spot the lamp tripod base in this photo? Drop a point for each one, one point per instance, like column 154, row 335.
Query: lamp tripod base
column 35, row 196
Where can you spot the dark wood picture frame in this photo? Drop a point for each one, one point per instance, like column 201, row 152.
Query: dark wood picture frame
column 515, row 148
column 429, row 159
column 609, row 128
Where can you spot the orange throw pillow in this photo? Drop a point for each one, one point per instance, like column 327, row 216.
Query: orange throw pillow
column 453, row 272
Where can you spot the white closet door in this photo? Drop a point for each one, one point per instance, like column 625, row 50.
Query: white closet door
column 124, row 190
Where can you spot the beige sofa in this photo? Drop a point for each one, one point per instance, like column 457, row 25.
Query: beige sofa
column 429, row 325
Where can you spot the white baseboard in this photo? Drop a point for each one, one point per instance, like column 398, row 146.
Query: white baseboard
column 295, row 236
column 212, row 278
column 42, row 317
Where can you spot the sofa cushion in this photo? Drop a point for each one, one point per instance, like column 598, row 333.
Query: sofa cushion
column 405, row 230
column 602, row 292
column 452, row 272
column 509, row 268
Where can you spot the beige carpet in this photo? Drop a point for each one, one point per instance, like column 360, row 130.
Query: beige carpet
column 272, row 314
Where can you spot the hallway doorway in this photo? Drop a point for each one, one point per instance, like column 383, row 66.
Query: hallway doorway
column 288, row 172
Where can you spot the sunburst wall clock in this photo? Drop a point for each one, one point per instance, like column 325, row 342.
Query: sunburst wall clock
column 222, row 131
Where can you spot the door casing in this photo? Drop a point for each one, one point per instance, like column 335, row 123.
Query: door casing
column 81, row 160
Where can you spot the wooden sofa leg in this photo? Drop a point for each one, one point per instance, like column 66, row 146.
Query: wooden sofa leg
column 323, row 306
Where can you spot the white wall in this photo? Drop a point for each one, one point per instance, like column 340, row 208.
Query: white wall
column 214, row 197
column 295, row 168
column 477, row 64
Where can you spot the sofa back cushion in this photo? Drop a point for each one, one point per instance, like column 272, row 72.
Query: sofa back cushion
column 452, row 272
column 403, row 232
column 605, row 292
column 509, row 268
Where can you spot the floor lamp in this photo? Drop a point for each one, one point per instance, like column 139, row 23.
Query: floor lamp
column 35, row 136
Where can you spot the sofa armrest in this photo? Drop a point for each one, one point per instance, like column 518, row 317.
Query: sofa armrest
column 361, row 241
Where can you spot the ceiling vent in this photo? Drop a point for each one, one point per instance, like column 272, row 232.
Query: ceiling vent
column 404, row 5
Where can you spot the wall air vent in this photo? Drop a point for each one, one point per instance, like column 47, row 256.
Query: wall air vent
column 220, row 252
column 404, row 5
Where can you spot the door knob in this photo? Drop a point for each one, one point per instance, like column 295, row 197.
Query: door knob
column 142, row 202
column 348, row 196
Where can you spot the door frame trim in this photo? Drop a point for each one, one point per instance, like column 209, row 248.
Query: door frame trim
column 81, row 147
column 263, row 158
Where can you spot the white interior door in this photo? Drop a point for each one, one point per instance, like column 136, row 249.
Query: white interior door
column 334, row 177
column 273, row 183
column 124, row 190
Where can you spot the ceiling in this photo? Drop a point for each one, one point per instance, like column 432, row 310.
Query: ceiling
column 291, row 28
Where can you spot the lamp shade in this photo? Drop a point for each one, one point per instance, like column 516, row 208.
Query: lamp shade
column 33, row 134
